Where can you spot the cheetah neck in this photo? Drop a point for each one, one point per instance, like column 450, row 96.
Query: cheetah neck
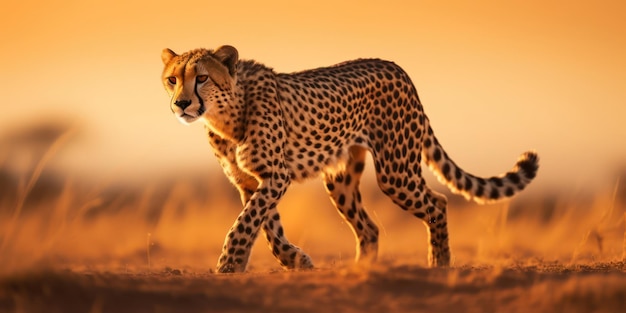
column 230, row 117
column 226, row 118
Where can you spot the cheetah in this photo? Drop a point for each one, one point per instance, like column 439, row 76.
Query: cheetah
column 270, row 129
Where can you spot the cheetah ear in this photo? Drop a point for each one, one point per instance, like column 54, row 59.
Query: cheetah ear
column 228, row 55
column 167, row 55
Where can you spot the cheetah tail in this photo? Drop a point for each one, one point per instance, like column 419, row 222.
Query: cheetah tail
column 481, row 190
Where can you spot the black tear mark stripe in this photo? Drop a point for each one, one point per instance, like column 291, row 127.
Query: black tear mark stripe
column 202, row 108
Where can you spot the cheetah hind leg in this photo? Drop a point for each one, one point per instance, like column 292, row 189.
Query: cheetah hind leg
column 343, row 188
column 436, row 221
column 421, row 202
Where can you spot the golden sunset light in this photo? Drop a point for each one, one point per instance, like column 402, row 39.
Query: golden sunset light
column 98, row 175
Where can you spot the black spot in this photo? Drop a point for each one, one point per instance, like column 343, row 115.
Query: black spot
column 513, row 177
column 480, row 191
column 359, row 167
column 330, row 186
column 411, row 186
column 468, row 183
column 348, row 179
column 437, row 155
column 341, row 200
column 410, row 144
column 351, row 213
column 445, row 170
column 509, row 191
column 494, row 194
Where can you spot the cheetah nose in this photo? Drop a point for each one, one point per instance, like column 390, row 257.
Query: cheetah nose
column 183, row 104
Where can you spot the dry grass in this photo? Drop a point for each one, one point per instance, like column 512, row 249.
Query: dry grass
column 74, row 246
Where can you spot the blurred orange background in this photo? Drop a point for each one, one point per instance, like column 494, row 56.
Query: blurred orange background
column 496, row 77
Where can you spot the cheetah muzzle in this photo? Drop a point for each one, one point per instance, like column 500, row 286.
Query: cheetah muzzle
column 270, row 129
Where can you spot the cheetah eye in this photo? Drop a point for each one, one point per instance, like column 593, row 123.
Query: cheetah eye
column 201, row 78
column 172, row 80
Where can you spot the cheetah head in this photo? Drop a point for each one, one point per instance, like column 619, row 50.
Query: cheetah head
column 199, row 81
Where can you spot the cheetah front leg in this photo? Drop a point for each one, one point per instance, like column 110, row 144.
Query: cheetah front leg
column 241, row 236
column 260, row 210
column 287, row 254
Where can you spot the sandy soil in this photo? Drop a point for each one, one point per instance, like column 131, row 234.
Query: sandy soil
column 539, row 287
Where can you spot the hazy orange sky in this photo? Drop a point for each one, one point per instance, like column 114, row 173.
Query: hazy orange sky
column 496, row 77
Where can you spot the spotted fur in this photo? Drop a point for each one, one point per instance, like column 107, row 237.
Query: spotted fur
column 270, row 129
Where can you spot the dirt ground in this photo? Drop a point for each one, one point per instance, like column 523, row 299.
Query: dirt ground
column 539, row 287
